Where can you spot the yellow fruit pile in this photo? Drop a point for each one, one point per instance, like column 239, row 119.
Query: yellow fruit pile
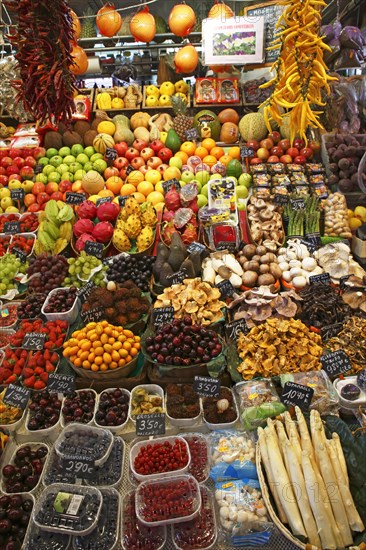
column 101, row 347
column 301, row 71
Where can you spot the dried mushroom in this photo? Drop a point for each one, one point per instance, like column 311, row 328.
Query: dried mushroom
column 278, row 346
column 322, row 306
column 352, row 340
column 265, row 220
column 143, row 402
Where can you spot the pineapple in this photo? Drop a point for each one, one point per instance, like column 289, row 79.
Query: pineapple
column 181, row 122
column 133, row 226
column 121, row 241
column 88, row 25
column 149, row 215
column 145, row 238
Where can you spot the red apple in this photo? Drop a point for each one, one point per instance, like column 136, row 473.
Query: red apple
column 6, row 161
column 293, row 152
column 286, row 159
column 275, row 136
column 64, row 185
column 284, row 144
column 162, row 168
column 121, row 148
column 51, row 187
column 156, row 145
column 12, row 170
column 299, row 159
column 120, row 162
column 110, row 172
column 57, row 196
column 2, row 171
column 30, row 161
column 255, row 160
column 4, row 153
column 277, row 150
column 147, row 153
column 17, row 177
column 144, row 169
column 273, row 159
column 154, row 162
column 307, row 152
column 253, row 144
column 42, row 198
column 263, row 153
column 35, row 207
column 13, row 153
column 139, row 144
column 38, row 152
column 131, row 153
column 165, row 154
column 19, row 162
column 38, row 187
column 29, row 199
column 315, row 146
column 266, row 143
column 27, row 172
column 299, row 143
column 137, row 162
column 4, row 180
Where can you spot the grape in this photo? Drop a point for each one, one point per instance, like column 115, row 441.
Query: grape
column 10, row 266
column 50, row 270
column 80, row 270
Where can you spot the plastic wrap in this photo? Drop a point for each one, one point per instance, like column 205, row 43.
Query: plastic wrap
column 258, row 400
column 232, row 455
column 325, row 399
column 8, row 103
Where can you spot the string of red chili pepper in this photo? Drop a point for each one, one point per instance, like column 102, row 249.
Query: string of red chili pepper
column 42, row 39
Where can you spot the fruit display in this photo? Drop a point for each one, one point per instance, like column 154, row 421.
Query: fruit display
column 345, row 153
column 24, row 471
column 12, row 365
column 60, row 300
column 112, row 408
column 55, row 228
column 39, row 365
column 94, row 443
column 260, row 266
column 24, row 243
column 220, row 410
column 8, row 414
column 146, row 401
column 134, row 532
column 175, row 259
column 166, row 95
column 125, row 267
column 164, row 456
column 16, row 512
column 10, row 268
column 182, row 402
column 134, row 231
column 55, row 332
column 46, row 272
column 83, row 269
column 31, row 307
column 94, row 223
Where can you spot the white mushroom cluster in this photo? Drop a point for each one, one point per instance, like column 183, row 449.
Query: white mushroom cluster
column 296, row 263
column 231, row 448
column 220, row 266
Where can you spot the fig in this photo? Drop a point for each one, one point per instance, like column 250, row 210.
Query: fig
column 350, row 392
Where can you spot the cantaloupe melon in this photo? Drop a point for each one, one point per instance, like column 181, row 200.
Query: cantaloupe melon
column 102, row 142
column 92, row 182
column 252, row 126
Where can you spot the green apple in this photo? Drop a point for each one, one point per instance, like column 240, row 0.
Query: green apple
column 15, row 184
column 48, row 169
column 202, row 176
column 54, row 176
column 245, row 179
column 79, row 174
column 177, row 162
column 89, row 151
column 28, row 185
column 6, row 202
column 204, row 190
column 69, row 159
column 241, row 192
column 88, row 166
column 202, row 200
column 241, row 206
column 51, row 152
column 42, row 178
column 187, row 176
column 68, row 176
column 62, row 168
column 82, row 158
column 56, row 161
column 100, row 165
column 215, row 177
column 74, row 167
column 77, row 149
column 95, row 157
column 43, row 161
column 64, row 151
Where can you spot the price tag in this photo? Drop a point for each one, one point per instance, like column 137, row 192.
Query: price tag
column 122, row 200
column 313, row 242
column 280, row 199
column 34, row 340
column 336, row 362
column 226, row 288
column 74, row 198
column 297, row 204
column 11, row 228
column 129, row 169
column 38, row 169
column 168, row 184
column 206, row 387
column 94, row 249
column 17, row 194
column 235, row 328
column 150, row 424
column 321, row 278
column 178, row 277
column 81, row 466
column 61, row 383
column 297, row 395
column 162, row 315
column 16, row 396
column 196, row 247
column 226, row 245
column 20, row 254
column 246, row 151
column 192, row 134
column 110, row 155
column 330, row 331
column 361, row 379
column 102, row 200
column 342, row 282
column 93, row 315
column 85, row 290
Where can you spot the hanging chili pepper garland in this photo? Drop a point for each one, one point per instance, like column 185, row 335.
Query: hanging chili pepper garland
column 42, row 39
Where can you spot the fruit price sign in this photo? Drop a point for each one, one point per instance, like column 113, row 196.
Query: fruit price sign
column 162, row 315
column 81, row 466
column 74, row 198
column 196, row 247
column 34, row 340
column 321, row 278
column 246, row 152
column 20, row 254
column 235, row 328
column 17, row 194
column 16, row 396
column 336, row 362
column 93, row 315
column 110, row 155
column 122, row 200
column 361, row 379
column 192, row 134
column 150, row 424
column 11, row 228
column 94, row 249
column 207, row 387
column 297, row 395
column 102, row 200
column 85, row 290
column 60, row 383
column 168, row 184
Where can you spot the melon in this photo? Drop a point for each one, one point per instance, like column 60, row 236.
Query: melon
column 285, row 127
column 210, row 119
column 92, row 182
column 228, row 115
column 103, row 142
column 252, row 126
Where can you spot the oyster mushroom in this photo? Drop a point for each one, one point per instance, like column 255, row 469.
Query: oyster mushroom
column 355, row 299
column 287, row 308
column 260, row 312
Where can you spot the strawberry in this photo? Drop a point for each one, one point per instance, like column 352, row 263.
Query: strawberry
column 44, row 377
column 17, row 370
column 29, row 382
column 49, row 367
column 39, row 385
column 11, row 379
column 27, row 372
column 38, row 370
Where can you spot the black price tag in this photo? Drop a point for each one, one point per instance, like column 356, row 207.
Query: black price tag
column 336, row 362
column 85, row 290
column 20, row 254
column 192, row 134
column 150, row 424
column 342, row 282
column 162, row 315
column 81, row 466
column 74, row 198
column 11, row 228
column 94, row 249
column 110, row 155
column 61, row 383
column 16, row 396
column 17, row 194
column 206, row 387
column 280, row 199
column 361, row 379
column 330, row 330
column 196, row 247
column 235, row 328
column 122, row 200
column 38, row 169
column 226, row 288
column 102, row 200
column 178, row 277
column 168, row 184
column 246, row 151
column 297, row 395
column 34, row 340
column 297, row 204
column 129, row 169
column 321, row 278
column 92, row 315
column 225, row 245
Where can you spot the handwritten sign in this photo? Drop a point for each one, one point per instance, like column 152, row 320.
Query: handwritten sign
column 297, row 395
column 17, row 194
column 226, row 288
column 16, row 396
column 178, row 277
column 206, row 386
column 271, row 13
column 85, row 290
column 297, row 204
column 92, row 315
column 74, row 198
column 94, row 249
column 192, row 134
column 321, row 278
column 12, row 228
column 336, row 362
column 110, row 155
column 150, row 424
column 162, row 315
column 82, row 467
column 60, row 383
column 196, row 247
column 330, row 330
column 34, row 340
column 20, row 254
column 102, row 200
column 280, row 199
column 122, row 200
column 168, row 184
column 235, row 328
column 246, row 152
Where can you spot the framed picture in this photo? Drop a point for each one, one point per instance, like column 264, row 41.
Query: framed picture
column 235, row 41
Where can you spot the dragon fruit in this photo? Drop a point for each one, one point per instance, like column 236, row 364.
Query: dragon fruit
column 189, row 235
column 182, row 217
column 168, row 216
column 193, row 205
column 168, row 232
column 172, row 199
column 108, row 211
column 88, row 210
column 103, row 232
column 83, row 226
column 80, row 243
column 193, row 221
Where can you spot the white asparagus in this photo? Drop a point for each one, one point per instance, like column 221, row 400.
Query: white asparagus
column 271, row 481
column 282, row 440
column 354, row 519
column 340, row 454
column 285, row 490
column 334, row 495
column 306, row 444
column 297, row 478
column 317, row 432
column 293, row 434
column 317, row 505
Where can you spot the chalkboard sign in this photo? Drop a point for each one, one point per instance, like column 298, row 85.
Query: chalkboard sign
column 94, row 249
column 280, row 199
column 92, row 315
column 312, row 242
column 361, row 379
column 235, row 328
column 16, row 396
column 102, row 200
column 168, row 184
column 60, row 383
column 297, row 204
column 178, row 277
column 74, row 198
column 226, row 288
column 342, row 282
column 196, row 247
column 206, row 387
column 271, row 12
column 150, row 424
column 297, row 395
column 85, row 290
column 17, row 194
column 81, row 466
column 122, row 200
column 192, row 134
column 321, row 278
column 336, row 362
column 129, row 169
column 162, row 315
column 12, row 228
column 34, row 340
column 330, row 330
column 20, row 254
column 246, row 152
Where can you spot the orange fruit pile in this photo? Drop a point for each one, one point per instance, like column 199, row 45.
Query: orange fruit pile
column 101, row 347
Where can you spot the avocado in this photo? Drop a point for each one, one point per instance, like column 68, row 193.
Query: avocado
column 188, row 267
column 172, row 141
column 195, row 259
column 165, row 272
column 177, row 241
column 176, row 257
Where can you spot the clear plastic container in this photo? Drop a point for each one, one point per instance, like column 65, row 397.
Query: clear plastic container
column 135, row 534
column 5, row 335
column 135, row 449
column 325, row 398
column 199, row 449
column 33, row 235
column 184, row 500
column 44, row 540
column 119, row 427
column 70, row 316
column 71, row 398
column 232, row 410
column 340, row 383
column 44, row 432
column 13, row 426
column 68, row 509
column 152, row 390
column 4, row 313
column 185, row 401
column 201, row 532
column 257, row 400
column 78, row 440
column 25, row 503
column 15, row 457
column 105, row 535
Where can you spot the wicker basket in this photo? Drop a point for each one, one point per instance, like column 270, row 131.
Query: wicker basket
column 109, row 375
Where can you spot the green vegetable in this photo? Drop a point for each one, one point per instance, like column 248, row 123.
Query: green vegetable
column 254, row 416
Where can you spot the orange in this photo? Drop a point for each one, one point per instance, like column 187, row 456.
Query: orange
column 106, row 193
column 234, row 152
column 152, row 176
column 117, row 345
column 127, row 189
column 171, row 172
column 77, row 362
column 155, row 197
column 91, row 357
column 103, row 367
column 94, row 367
column 208, row 143
column 188, row 147
column 217, row 152
column 121, row 363
column 225, row 159
column 145, row 187
column 210, row 160
column 98, row 360
column 86, row 365
column 135, row 177
column 123, row 353
column 139, row 197
column 107, row 358
column 104, row 338
column 134, row 352
column 182, row 155
column 114, row 184
column 201, row 152
column 108, row 348
column 113, row 365
column 99, row 351
column 127, row 346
